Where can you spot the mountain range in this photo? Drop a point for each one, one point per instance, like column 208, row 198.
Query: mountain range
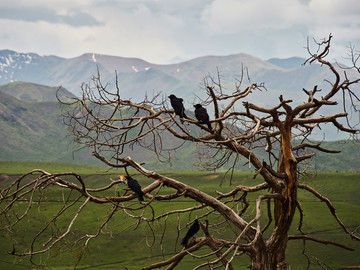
column 30, row 117
column 137, row 76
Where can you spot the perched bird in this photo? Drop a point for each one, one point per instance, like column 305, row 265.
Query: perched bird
column 191, row 232
column 202, row 115
column 177, row 104
column 134, row 186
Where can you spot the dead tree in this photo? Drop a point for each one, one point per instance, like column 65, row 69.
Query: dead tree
column 112, row 125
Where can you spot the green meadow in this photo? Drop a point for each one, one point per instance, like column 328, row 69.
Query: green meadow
column 125, row 244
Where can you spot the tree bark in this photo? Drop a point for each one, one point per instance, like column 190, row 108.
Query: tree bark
column 272, row 255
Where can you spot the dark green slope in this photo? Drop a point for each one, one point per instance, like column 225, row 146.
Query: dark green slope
column 28, row 129
column 32, row 131
column 347, row 160
column 34, row 92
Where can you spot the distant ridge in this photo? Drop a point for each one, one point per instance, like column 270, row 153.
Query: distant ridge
column 288, row 63
column 34, row 92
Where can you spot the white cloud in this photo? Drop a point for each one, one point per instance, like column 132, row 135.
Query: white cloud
column 162, row 31
column 138, row 32
column 32, row 14
column 49, row 4
column 236, row 16
column 338, row 17
column 232, row 16
column 281, row 26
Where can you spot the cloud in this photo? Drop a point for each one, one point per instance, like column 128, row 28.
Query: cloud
column 279, row 28
column 317, row 17
column 60, row 4
column 139, row 32
column 338, row 17
column 37, row 14
column 5, row 37
column 232, row 16
column 77, row 19
column 167, row 31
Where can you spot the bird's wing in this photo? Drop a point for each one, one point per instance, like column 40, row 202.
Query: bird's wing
column 134, row 184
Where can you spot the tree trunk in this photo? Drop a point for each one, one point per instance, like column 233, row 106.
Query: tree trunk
column 267, row 259
column 271, row 255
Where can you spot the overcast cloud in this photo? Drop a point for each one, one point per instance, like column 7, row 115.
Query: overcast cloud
column 171, row 31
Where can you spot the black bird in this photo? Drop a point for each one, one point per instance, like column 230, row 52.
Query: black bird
column 202, row 115
column 191, row 232
column 177, row 104
column 134, row 186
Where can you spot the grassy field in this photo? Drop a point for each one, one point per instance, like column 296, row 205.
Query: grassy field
column 124, row 245
column 10, row 167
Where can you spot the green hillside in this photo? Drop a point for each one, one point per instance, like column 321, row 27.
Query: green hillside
column 34, row 92
column 33, row 131
column 347, row 160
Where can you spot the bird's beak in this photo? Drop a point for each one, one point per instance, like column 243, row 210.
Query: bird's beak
column 122, row 177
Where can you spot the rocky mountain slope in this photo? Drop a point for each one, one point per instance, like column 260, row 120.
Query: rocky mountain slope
column 137, row 76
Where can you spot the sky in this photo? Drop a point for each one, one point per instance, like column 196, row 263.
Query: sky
column 172, row 31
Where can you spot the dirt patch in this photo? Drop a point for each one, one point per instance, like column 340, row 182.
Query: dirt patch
column 3, row 177
column 210, row 175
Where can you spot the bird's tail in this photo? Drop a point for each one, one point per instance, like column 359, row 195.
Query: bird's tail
column 184, row 242
column 209, row 125
column 184, row 115
column 141, row 196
